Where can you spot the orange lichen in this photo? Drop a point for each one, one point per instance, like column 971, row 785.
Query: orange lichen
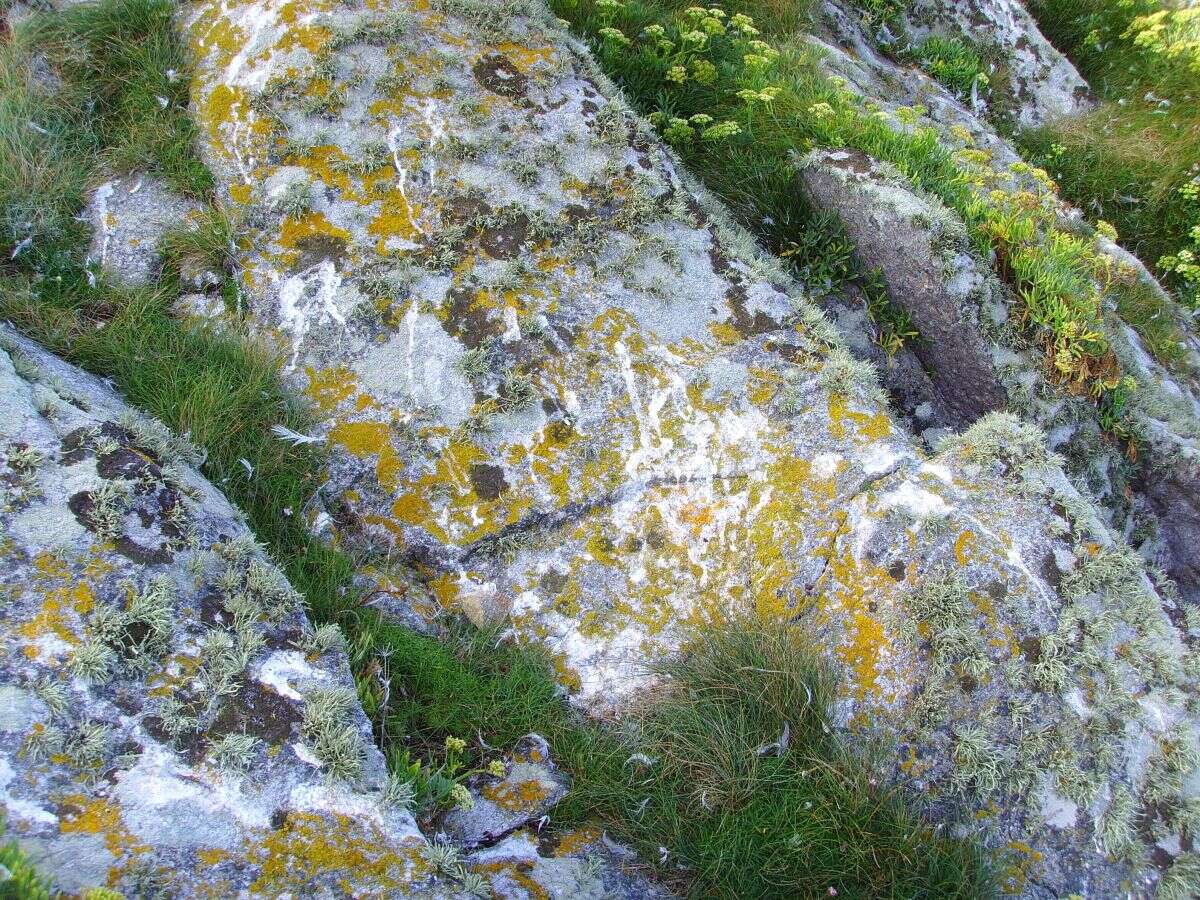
column 964, row 547
column 329, row 388
column 371, row 439
column 854, row 597
column 516, row 796
column 871, row 426
column 397, row 219
column 82, row 814
column 308, row 849
column 312, row 224
column 574, row 841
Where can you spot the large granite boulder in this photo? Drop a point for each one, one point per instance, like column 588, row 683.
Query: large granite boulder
column 564, row 393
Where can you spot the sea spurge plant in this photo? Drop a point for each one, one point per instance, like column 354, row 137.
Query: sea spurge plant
column 1183, row 266
column 1173, row 34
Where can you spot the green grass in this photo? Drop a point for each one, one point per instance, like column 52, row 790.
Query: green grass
column 21, row 881
column 1129, row 161
column 742, row 818
column 790, row 824
column 952, row 62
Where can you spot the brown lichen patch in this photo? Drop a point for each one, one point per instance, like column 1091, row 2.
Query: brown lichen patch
column 308, row 851
column 257, row 710
column 500, row 75
column 506, row 241
column 488, row 480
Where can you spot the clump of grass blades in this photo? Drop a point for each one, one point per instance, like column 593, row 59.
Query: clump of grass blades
column 758, row 796
column 22, row 881
column 702, row 770
column 125, row 63
column 952, row 62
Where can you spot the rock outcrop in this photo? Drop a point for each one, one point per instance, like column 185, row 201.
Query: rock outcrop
column 934, row 275
column 169, row 720
column 923, row 255
column 559, row 388
column 168, row 715
column 1043, row 82
column 1035, row 79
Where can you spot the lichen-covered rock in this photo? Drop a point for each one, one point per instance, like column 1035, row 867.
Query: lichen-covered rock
column 167, row 717
column 927, row 268
column 978, row 360
column 583, row 864
column 567, row 396
column 1034, row 79
column 1044, row 82
column 529, row 786
column 129, row 217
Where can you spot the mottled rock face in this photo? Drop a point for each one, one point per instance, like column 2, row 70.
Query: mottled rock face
column 977, row 359
column 928, row 270
column 1152, row 501
column 524, row 788
column 1043, row 81
column 166, row 716
column 569, row 399
column 129, row 217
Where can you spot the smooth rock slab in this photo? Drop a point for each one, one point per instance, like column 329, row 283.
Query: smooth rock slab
column 530, row 786
column 928, row 270
column 129, row 217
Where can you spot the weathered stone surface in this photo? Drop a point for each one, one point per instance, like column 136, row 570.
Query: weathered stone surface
column 978, row 361
column 1044, row 82
column 562, row 392
column 583, row 864
column 530, row 786
column 129, row 216
column 154, row 676
column 928, row 269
